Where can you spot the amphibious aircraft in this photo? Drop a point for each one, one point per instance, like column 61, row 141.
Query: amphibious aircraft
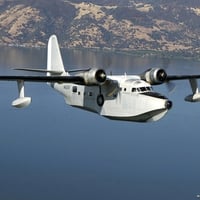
column 117, row 97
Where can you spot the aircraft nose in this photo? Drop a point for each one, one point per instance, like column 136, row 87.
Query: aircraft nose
column 168, row 104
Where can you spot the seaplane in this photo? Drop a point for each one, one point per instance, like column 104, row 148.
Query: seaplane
column 117, row 97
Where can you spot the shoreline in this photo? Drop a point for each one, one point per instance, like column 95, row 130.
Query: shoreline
column 137, row 53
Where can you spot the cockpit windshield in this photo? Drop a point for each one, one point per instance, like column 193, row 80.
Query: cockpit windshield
column 142, row 89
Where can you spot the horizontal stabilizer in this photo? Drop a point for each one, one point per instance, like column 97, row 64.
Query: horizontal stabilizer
column 53, row 72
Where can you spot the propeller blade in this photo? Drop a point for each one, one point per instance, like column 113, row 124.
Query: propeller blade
column 171, row 86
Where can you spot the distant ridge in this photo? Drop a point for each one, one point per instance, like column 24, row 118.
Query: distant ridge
column 126, row 25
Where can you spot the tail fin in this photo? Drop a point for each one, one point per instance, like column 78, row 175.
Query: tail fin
column 54, row 59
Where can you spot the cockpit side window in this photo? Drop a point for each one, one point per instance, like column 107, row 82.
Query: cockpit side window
column 143, row 89
column 149, row 88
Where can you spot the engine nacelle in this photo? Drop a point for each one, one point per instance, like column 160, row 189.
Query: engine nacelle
column 154, row 76
column 94, row 76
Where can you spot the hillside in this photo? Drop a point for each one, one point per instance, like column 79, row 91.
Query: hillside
column 147, row 25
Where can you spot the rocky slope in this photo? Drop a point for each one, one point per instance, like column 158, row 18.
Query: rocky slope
column 148, row 25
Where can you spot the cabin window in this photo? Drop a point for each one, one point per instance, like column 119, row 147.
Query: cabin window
column 134, row 89
column 150, row 88
column 74, row 89
column 90, row 94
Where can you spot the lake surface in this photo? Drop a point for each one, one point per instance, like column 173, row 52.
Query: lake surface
column 53, row 151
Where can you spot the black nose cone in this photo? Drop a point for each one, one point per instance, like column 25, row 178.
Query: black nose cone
column 168, row 104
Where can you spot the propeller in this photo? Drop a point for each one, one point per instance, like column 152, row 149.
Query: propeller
column 171, row 86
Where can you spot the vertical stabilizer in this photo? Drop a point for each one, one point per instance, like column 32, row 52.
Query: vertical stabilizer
column 54, row 59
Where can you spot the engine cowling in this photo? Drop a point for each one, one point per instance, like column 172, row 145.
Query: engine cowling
column 94, row 76
column 154, row 76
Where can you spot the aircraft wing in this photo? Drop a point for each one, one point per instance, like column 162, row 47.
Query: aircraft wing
column 49, row 79
column 98, row 77
column 181, row 77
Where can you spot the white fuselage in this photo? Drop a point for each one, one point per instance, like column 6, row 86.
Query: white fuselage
column 132, row 99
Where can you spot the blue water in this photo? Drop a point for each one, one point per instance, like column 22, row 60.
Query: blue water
column 52, row 151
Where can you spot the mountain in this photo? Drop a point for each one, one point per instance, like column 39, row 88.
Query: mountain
column 131, row 25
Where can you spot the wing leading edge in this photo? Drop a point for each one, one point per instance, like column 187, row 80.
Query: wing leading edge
column 181, row 77
column 48, row 79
